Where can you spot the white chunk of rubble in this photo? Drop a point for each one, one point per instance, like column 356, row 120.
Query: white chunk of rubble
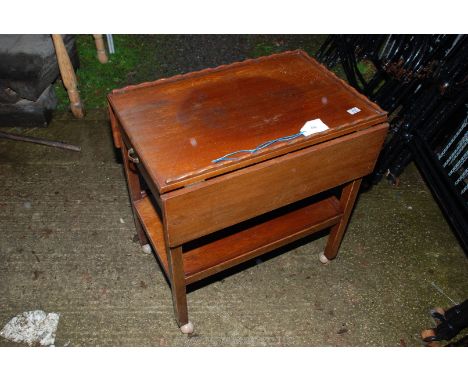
column 34, row 328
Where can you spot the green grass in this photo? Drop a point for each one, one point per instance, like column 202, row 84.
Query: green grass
column 140, row 58
column 96, row 80
column 265, row 49
column 264, row 45
column 367, row 69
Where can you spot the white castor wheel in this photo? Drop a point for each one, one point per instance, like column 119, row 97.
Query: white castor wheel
column 147, row 249
column 323, row 259
column 187, row 328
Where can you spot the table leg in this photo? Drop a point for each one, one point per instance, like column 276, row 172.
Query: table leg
column 178, row 287
column 348, row 197
column 134, row 190
column 115, row 128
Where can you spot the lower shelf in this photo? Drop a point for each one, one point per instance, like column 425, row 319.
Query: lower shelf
column 153, row 227
column 224, row 249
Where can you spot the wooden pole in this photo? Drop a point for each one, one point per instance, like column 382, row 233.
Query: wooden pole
column 100, row 48
column 68, row 76
column 40, row 141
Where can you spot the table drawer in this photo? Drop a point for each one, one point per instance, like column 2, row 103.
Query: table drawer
column 220, row 202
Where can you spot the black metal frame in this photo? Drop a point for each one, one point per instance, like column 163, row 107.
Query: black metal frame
column 451, row 202
column 422, row 81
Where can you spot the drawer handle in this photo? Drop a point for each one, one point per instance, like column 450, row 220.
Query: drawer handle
column 132, row 156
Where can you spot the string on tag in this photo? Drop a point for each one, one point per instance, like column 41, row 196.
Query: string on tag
column 309, row 128
column 259, row 147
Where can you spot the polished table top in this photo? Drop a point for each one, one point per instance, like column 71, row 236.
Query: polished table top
column 178, row 126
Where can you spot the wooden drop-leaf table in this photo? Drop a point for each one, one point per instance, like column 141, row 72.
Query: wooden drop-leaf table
column 202, row 217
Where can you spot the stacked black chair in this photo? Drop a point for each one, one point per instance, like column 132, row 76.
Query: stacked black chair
column 422, row 81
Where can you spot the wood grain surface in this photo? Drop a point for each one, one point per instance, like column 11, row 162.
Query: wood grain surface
column 179, row 126
column 226, row 200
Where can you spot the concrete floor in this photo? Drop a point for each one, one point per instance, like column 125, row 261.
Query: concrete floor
column 67, row 246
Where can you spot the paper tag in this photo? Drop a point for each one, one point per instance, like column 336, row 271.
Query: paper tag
column 353, row 110
column 313, row 127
